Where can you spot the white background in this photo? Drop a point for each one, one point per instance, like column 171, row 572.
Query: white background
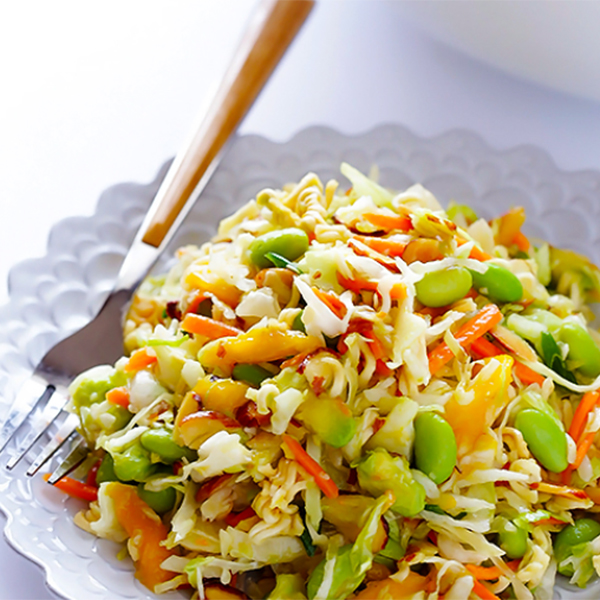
column 92, row 94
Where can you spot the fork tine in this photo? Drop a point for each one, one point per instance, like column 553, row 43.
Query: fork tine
column 76, row 456
column 33, row 391
column 67, row 431
column 39, row 425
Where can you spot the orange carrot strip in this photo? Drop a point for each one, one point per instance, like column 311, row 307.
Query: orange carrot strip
column 389, row 222
column 383, row 246
column 476, row 253
column 312, row 467
column 584, row 408
column 513, row 565
column 481, row 323
column 485, row 349
column 140, row 359
column 484, row 573
column 195, row 302
column 521, row 242
column 483, row 592
column 75, row 488
column 356, row 285
column 398, row 291
column 527, row 375
column 582, row 448
column 118, row 396
column 333, row 303
column 565, row 476
column 234, row 519
column 208, row 327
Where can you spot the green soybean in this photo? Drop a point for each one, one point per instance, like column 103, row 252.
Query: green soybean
column 498, row 284
column 251, row 374
column 584, row 354
column 160, row 502
column 513, row 540
column 289, row 243
column 439, row 288
column 545, row 439
column 106, row 470
column 582, row 530
column 161, row 442
column 133, row 464
column 435, row 446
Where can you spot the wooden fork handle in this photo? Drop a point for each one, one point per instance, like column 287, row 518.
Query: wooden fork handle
column 271, row 31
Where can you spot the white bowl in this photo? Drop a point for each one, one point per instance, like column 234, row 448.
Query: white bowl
column 555, row 43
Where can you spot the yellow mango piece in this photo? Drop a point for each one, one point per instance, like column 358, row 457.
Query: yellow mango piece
column 223, row 395
column 147, row 530
column 273, row 342
column 219, row 287
column 472, row 409
column 390, row 589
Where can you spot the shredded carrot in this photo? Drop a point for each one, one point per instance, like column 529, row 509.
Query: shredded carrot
column 398, row 291
column 585, row 406
column 510, row 226
column 483, row 592
column 139, row 359
column 234, row 519
column 582, row 448
column 208, row 327
column 333, row 303
column 195, row 302
column 481, row 323
column 565, row 476
column 383, row 246
column 484, row 573
column 485, row 349
column 312, row 467
column 75, row 488
column 382, row 369
column 356, row 285
column 118, row 396
column 389, row 222
column 476, row 252
column 527, row 375
column 513, row 565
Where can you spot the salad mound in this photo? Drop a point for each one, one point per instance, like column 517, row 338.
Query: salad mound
column 352, row 395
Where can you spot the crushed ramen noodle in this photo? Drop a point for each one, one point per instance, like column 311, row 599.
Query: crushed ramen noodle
column 352, row 395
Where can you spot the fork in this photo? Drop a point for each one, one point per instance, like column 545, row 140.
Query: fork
column 44, row 396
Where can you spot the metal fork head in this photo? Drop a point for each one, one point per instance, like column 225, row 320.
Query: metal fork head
column 42, row 398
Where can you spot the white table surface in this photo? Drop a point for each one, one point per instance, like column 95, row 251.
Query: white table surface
column 98, row 93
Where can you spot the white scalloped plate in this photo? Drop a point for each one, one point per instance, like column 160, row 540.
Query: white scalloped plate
column 53, row 296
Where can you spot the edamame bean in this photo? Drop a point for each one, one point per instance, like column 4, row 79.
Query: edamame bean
column 290, row 243
column 160, row 502
column 439, row 288
column 435, row 446
column 106, row 470
column 161, row 442
column 545, row 439
column 584, row 354
column 133, row 464
column 582, row 530
column 251, row 374
column 498, row 284
column 512, row 539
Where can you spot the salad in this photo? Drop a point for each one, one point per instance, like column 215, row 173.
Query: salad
column 352, row 394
